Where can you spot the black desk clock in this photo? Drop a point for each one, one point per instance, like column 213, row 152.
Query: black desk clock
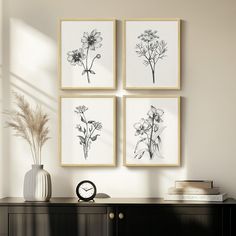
column 86, row 190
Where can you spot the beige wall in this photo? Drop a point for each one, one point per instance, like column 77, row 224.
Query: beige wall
column 208, row 91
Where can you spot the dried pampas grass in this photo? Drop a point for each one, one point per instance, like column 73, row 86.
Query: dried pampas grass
column 29, row 124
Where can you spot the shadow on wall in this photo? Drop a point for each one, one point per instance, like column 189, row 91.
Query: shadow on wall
column 4, row 90
column 28, row 68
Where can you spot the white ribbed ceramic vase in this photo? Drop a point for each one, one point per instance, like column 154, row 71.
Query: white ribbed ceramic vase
column 37, row 184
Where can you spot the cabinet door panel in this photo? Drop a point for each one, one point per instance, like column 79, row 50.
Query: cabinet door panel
column 174, row 221
column 233, row 220
column 3, row 221
column 91, row 223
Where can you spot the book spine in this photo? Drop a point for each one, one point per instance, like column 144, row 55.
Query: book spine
column 187, row 191
column 194, row 184
column 208, row 198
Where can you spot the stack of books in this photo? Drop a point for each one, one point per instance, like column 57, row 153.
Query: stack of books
column 195, row 190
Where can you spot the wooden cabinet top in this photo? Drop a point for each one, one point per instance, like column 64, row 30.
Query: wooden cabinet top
column 107, row 201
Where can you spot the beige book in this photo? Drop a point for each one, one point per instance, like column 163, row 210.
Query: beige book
column 194, row 191
column 194, row 183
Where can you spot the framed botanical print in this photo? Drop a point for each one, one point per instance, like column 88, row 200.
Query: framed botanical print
column 151, row 54
column 151, row 131
column 87, row 54
column 87, row 130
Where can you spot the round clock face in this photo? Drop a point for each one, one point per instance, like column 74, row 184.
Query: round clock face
column 86, row 190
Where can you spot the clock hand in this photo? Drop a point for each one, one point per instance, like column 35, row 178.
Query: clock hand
column 88, row 189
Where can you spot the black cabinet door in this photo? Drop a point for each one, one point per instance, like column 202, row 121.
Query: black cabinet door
column 170, row 221
column 233, row 220
column 61, row 221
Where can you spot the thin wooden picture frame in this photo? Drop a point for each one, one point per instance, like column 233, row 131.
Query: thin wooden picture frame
column 177, row 85
column 111, row 138
column 178, row 131
column 113, row 80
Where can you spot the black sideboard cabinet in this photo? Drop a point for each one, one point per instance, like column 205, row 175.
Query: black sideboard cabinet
column 116, row 217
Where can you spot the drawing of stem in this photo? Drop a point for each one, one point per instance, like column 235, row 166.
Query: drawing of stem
column 86, row 130
column 149, row 131
column 150, row 139
column 152, row 49
column 90, row 42
column 86, row 69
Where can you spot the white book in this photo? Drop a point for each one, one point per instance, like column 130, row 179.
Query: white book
column 207, row 198
column 194, row 191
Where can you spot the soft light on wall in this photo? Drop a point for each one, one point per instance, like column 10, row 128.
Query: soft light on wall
column 33, row 73
column 208, row 91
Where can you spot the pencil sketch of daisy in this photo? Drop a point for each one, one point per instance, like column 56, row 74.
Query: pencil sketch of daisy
column 80, row 57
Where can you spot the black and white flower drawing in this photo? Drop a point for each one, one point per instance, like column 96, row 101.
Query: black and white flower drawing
column 80, row 57
column 149, row 131
column 88, row 129
column 152, row 49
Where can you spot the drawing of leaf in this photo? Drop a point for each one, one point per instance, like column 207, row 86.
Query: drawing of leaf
column 84, row 130
column 140, row 153
column 91, row 121
column 94, row 138
column 84, row 71
column 82, row 119
column 92, row 72
column 157, row 154
column 158, row 133
column 79, row 128
column 145, row 62
column 82, row 140
column 137, row 144
column 155, row 146
column 156, row 127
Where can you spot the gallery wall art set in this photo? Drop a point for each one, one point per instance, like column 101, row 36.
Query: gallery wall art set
column 151, row 123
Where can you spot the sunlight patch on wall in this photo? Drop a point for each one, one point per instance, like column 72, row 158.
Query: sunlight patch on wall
column 32, row 73
column 32, row 62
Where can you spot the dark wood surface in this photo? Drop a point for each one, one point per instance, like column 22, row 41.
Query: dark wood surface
column 140, row 216
column 108, row 201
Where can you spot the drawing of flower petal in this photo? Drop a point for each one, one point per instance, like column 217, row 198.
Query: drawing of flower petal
column 86, row 34
column 137, row 125
column 74, row 57
column 159, row 111
column 99, row 40
column 93, row 32
column 85, row 45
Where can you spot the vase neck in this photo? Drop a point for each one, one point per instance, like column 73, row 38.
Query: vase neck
column 37, row 166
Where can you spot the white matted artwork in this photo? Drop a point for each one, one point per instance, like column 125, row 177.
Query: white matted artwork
column 152, row 54
column 151, row 131
column 88, row 131
column 87, row 54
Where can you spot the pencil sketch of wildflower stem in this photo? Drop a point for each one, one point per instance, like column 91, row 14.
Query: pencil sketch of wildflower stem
column 152, row 49
column 87, row 130
column 149, row 131
column 90, row 42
